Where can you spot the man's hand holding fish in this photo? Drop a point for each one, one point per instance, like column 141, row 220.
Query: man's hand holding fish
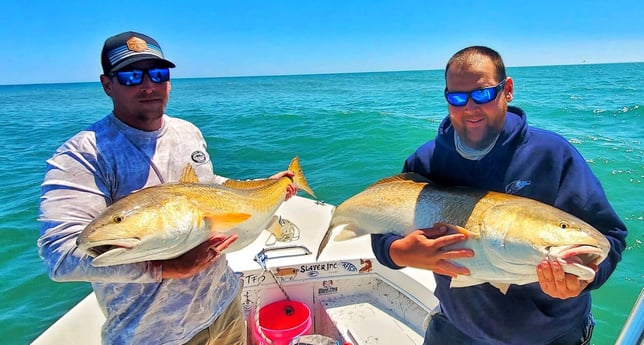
column 291, row 189
column 195, row 260
column 559, row 284
column 416, row 246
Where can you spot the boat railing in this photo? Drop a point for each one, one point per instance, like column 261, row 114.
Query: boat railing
column 633, row 331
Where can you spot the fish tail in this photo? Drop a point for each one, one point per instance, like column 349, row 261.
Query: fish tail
column 298, row 178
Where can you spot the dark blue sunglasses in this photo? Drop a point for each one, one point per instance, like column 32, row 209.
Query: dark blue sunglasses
column 135, row 76
column 480, row 96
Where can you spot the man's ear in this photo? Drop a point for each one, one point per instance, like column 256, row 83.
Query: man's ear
column 509, row 89
column 107, row 84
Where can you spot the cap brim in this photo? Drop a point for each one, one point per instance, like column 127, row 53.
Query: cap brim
column 141, row 57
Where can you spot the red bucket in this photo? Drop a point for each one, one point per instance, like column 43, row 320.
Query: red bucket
column 282, row 321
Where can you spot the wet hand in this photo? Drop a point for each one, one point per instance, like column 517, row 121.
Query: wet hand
column 195, row 260
column 557, row 283
column 291, row 189
column 427, row 248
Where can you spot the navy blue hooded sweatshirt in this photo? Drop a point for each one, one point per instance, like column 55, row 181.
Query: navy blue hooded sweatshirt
column 532, row 163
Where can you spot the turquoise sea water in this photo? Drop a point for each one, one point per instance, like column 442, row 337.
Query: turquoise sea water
column 348, row 129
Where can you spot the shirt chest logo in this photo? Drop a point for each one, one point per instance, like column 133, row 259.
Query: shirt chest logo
column 515, row 186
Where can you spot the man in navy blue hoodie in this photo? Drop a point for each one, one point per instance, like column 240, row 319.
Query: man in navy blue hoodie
column 486, row 144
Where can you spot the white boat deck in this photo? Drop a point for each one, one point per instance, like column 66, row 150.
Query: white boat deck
column 352, row 297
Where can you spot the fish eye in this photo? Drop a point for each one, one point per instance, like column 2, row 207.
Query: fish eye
column 117, row 218
column 564, row 225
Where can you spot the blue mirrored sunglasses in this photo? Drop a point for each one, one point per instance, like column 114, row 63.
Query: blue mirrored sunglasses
column 480, row 96
column 135, row 76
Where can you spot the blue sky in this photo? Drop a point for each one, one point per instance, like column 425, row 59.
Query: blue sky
column 60, row 41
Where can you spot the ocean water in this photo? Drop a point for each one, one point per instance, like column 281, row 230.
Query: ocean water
column 348, row 130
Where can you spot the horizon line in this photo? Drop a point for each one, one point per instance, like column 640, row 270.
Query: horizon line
column 329, row 73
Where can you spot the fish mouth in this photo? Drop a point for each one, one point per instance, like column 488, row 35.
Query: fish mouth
column 580, row 260
column 99, row 248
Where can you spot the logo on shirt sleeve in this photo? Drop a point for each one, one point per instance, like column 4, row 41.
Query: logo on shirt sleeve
column 199, row 157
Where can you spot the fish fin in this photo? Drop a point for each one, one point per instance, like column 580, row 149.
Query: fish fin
column 451, row 228
column 188, row 175
column 408, row 176
column 274, row 226
column 464, row 281
column 225, row 221
column 298, row 178
column 324, row 242
column 247, row 184
column 348, row 232
column 503, row 287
